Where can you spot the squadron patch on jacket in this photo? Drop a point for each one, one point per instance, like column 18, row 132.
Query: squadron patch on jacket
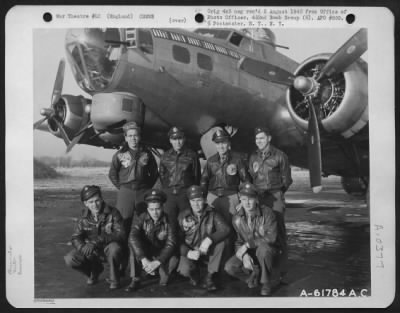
column 108, row 228
column 125, row 159
column 144, row 159
column 256, row 167
column 188, row 223
column 231, row 169
column 162, row 235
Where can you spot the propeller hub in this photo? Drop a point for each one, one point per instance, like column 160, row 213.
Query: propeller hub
column 46, row 112
column 305, row 85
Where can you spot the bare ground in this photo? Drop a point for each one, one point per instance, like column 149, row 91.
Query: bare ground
column 328, row 236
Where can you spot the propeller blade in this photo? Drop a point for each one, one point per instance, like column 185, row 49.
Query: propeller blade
column 62, row 131
column 39, row 122
column 58, row 84
column 116, row 125
column 109, row 128
column 87, row 126
column 74, row 142
column 82, row 131
column 346, row 54
column 314, row 150
column 78, row 136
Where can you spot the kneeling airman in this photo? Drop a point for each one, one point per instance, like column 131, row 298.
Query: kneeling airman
column 98, row 237
column 152, row 241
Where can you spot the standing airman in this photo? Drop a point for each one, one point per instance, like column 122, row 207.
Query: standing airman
column 222, row 175
column 133, row 172
column 179, row 169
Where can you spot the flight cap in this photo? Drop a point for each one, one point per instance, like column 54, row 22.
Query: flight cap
column 247, row 189
column 155, row 195
column 130, row 125
column 264, row 130
column 176, row 133
column 220, row 135
column 89, row 191
column 195, row 192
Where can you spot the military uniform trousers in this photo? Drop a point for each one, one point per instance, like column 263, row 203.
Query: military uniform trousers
column 276, row 201
column 165, row 268
column 130, row 202
column 113, row 256
column 263, row 256
column 177, row 201
column 226, row 206
column 214, row 256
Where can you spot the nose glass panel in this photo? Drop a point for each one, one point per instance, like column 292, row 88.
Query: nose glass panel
column 94, row 56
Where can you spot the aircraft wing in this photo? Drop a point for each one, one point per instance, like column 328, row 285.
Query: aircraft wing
column 266, row 71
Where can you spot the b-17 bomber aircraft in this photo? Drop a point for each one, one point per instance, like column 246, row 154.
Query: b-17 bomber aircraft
column 205, row 79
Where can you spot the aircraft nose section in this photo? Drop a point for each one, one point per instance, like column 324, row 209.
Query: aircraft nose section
column 89, row 37
column 74, row 34
column 92, row 56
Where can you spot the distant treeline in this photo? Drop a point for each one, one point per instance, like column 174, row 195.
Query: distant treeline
column 41, row 170
column 69, row 162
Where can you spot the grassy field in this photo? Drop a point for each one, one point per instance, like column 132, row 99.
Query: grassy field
column 77, row 177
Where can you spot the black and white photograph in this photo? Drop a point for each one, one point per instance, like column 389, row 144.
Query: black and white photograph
column 202, row 162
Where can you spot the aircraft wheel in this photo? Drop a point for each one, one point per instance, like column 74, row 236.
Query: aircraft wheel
column 355, row 186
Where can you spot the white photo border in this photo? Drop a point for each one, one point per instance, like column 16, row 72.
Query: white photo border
column 20, row 23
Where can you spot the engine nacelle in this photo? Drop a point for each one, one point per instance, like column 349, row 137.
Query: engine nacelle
column 111, row 108
column 69, row 111
column 342, row 98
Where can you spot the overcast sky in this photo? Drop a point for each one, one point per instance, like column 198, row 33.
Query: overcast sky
column 48, row 48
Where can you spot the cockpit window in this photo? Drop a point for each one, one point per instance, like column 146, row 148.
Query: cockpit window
column 145, row 41
column 236, row 39
column 94, row 54
column 245, row 43
column 213, row 33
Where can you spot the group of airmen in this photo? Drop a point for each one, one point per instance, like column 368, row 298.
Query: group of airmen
column 229, row 216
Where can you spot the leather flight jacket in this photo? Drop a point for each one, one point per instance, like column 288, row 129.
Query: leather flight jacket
column 224, row 178
column 134, row 169
column 179, row 171
column 152, row 238
column 270, row 171
column 262, row 230
column 194, row 230
column 108, row 228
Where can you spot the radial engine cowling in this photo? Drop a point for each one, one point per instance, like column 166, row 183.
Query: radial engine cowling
column 341, row 99
column 109, row 108
column 69, row 111
column 113, row 108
